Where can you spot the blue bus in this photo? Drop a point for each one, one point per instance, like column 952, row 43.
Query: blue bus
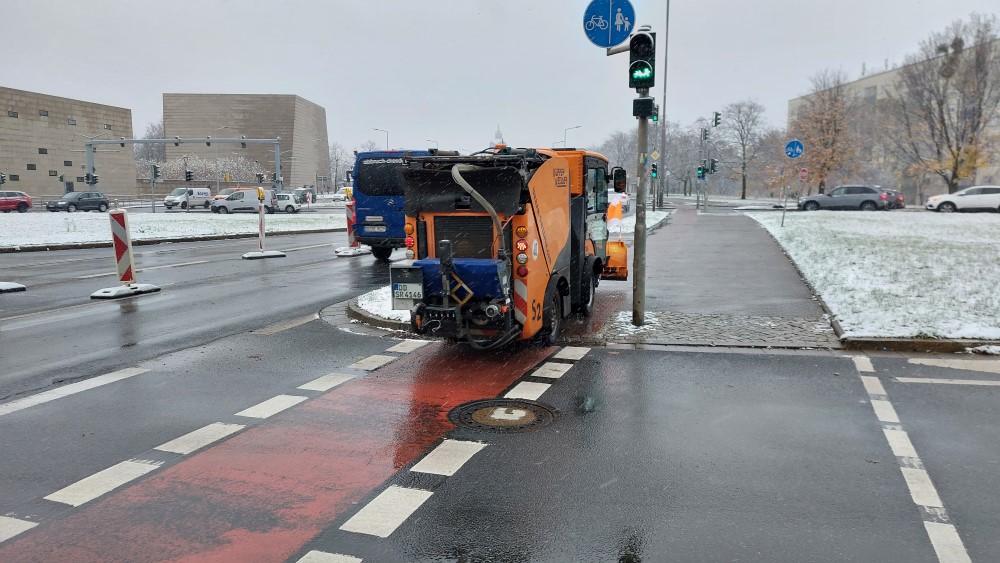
column 378, row 200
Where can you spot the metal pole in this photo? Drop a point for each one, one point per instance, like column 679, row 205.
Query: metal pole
column 663, row 111
column 152, row 192
column 89, row 146
column 639, row 248
column 278, row 183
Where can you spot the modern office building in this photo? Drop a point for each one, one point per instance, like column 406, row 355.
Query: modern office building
column 299, row 123
column 42, row 137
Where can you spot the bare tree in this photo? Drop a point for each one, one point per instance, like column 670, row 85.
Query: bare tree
column 340, row 161
column 367, row 146
column 944, row 99
column 742, row 124
column 152, row 153
column 823, row 126
column 620, row 148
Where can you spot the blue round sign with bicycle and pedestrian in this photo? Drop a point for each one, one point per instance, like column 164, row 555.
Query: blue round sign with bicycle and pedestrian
column 794, row 148
column 608, row 22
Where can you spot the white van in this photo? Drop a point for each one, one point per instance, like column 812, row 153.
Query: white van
column 245, row 200
column 187, row 198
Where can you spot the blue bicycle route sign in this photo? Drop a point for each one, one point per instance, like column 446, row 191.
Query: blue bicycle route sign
column 794, row 148
column 608, row 22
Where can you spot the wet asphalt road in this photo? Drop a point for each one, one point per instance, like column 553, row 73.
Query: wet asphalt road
column 655, row 455
column 54, row 332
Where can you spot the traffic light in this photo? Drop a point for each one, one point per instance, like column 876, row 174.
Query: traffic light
column 88, row 178
column 713, row 167
column 188, row 175
column 156, row 171
column 243, row 145
column 652, row 171
column 656, row 112
column 704, row 134
column 716, row 119
column 3, row 178
column 62, row 177
column 260, row 178
column 94, row 179
column 122, row 142
column 642, row 60
column 701, row 172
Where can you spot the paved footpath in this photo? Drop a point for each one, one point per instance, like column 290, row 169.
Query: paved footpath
column 719, row 279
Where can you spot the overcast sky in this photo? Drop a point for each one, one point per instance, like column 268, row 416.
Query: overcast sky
column 452, row 71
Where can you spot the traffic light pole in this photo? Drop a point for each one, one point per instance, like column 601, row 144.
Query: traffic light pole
column 639, row 243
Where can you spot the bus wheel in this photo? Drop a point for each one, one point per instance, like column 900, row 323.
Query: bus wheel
column 381, row 254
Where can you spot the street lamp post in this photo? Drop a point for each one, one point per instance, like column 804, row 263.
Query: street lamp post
column 567, row 129
column 386, row 136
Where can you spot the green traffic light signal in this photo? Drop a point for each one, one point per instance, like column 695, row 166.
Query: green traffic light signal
column 652, row 171
column 642, row 60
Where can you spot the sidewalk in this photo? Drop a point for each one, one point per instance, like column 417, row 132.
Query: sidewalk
column 719, row 279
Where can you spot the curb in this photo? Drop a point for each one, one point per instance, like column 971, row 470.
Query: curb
column 357, row 313
column 144, row 242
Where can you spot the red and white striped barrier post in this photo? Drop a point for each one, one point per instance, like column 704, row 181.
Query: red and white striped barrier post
column 354, row 246
column 261, row 209
column 121, row 240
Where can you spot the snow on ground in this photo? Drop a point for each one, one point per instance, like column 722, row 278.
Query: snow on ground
column 379, row 303
column 899, row 274
column 30, row 229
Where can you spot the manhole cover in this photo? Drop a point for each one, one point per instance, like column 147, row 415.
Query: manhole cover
column 502, row 415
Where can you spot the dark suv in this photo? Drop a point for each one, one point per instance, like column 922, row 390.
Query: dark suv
column 82, row 201
column 895, row 199
column 865, row 198
column 9, row 201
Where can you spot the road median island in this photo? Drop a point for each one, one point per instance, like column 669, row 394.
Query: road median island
column 143, row 242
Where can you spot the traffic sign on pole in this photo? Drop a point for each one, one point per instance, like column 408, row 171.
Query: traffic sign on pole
column 608, row 22
column 794, row 148
column 803, row 174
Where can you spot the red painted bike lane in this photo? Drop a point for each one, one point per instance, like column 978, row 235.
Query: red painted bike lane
column 264, row 493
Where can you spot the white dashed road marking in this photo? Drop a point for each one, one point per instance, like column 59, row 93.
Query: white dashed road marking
column 387, row 511
column 272, row 406
column 571, row 353
column 10, row 527
column 528, row 390
column 948, row 381
column 89, row 488
column 408, row 346
column 448, row 457
column 986, row 366
column 326, row 382
column 200, row 438
column 324, row 557
column 373, row 362
column 944, row 536
column 551, row 370
column 285, row 325
column 70, row 389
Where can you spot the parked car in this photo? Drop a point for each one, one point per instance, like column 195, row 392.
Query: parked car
column 338, row 196
column 976, row 198
column 245, row 200
column 895, row 199
column 287, row 203
column 300, row 194
column 865, row 198
column 83, row 201
column 9, row 201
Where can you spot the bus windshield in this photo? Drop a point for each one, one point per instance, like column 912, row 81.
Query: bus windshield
column 379, row 177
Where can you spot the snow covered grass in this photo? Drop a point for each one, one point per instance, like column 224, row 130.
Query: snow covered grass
column 379, row 303
column 30, row 229
column 899, row 274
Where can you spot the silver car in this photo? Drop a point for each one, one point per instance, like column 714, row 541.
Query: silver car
column 865, row 198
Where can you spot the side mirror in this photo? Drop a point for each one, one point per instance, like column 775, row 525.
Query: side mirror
column 619, row 179
column 190, row 192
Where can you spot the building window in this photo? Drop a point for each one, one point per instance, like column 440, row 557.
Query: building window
column 53, row 173
column 67, row 163
column 12, row 114
column 43, row 151
column 71, row 121
column 31, row 167
column 107, row 126
column 43, row 112
column 14, row 178
column 79, row 178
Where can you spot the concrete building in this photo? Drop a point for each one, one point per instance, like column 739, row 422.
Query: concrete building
column 299, row 123
column 42, row 136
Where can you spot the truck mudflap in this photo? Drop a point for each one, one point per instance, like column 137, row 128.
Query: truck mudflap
column 616, row 268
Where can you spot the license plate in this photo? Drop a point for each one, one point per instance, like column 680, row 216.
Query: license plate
column 407, row 291
column 374, row 219
column 375, row 228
